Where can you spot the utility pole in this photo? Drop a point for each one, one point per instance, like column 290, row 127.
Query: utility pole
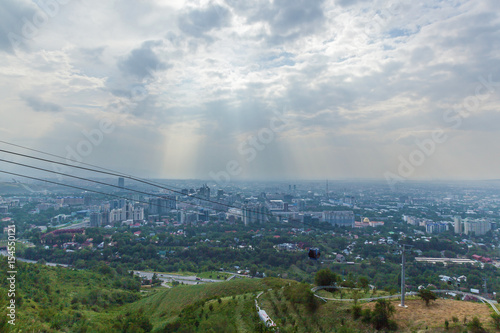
column 403, row 283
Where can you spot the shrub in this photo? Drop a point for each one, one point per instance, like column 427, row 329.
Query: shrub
column 475, row 325
column 381, row 316
column 366, row 316
column 300, row 293
column 356, row 312
column 496, row 320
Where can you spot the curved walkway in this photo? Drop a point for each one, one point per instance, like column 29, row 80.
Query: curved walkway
column 351, row 299
column 482, row 299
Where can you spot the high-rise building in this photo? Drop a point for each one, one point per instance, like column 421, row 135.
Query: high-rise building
column 95, row 219
column 340, row 218
column 204, row 192
column 458, row 225
column 162, row 206
column 129, row 211
column 476, row 227
column 436, row 228
column 121, row 182
column 138, row 214
column 255, row 213
column 105, row 217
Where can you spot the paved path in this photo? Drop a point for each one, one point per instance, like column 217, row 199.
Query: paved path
column 482, row 299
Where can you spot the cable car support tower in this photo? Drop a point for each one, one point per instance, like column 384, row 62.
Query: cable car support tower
column 403, row 283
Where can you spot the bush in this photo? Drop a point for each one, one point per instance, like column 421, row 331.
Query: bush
column 366, row 316
column 381, row 316
column 356, row 312
column 300, row 293
column 133, row 322
column 475, row 325
column 496, row 320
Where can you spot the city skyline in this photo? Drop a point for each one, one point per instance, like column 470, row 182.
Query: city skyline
column 264, row 90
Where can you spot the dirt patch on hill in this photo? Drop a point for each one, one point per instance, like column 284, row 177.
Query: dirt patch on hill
column 417, row 316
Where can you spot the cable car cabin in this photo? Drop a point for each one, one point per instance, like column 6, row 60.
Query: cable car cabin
column 314, row 254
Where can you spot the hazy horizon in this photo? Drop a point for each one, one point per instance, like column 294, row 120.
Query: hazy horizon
column 245, row 91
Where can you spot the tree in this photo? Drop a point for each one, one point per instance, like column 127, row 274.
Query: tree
column 381, row 315
column 427, row 295
column 325, row 277
column 356, row 311
column 363, row 282
column 155, row 280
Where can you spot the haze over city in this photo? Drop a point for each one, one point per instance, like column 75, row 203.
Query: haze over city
column 187, row 85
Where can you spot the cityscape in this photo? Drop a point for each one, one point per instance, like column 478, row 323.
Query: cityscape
column 222, row 166
column 262, row 230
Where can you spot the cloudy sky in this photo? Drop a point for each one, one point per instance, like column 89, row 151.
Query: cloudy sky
column 261, row 89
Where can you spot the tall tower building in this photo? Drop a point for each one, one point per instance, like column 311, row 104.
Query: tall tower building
column 458, row 225
column 255, row 213
column 121, row 182
column 95, row 219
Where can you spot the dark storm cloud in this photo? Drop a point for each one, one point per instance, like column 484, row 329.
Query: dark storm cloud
column 14, row 14
column 143, row 62
column 39, row 105
column 198, row 22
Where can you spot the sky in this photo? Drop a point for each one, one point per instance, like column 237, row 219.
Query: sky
column 229, row 90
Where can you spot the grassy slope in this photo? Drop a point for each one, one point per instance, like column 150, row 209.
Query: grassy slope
column 164, row 306
column 328, row 317
column 418, row 316
column 335, row 316
column 234, row 313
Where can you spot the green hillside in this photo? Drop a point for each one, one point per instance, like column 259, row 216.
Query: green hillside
column 168, row 303
column 54, row 299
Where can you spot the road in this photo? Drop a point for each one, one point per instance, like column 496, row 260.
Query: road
column 4, row 253
column 166, row 278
